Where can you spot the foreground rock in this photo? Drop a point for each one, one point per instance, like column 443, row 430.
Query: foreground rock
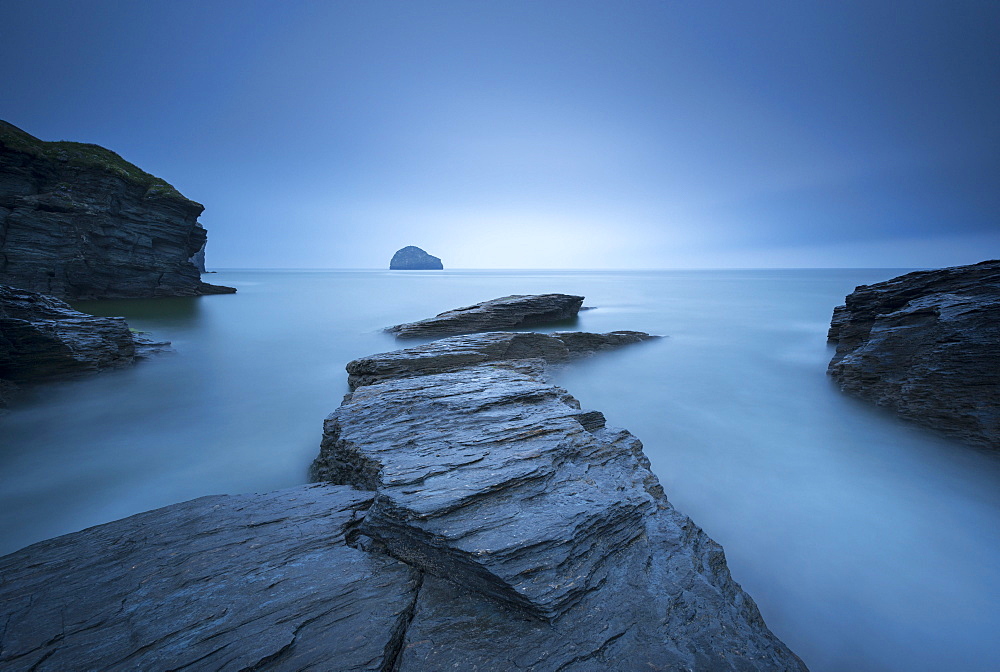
column 252, row 582
column 927, row 345
column 508, row 312
column 545, row 540
column 493, row 525
column 43, row 339
column 79, row 222
column 412, row 258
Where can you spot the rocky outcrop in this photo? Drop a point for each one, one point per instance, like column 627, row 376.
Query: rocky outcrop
column 251, row 582
column 455, row 352
column 926, row 345
column 42, row 339
column 507, row 312
column 492, row 525
column 545, row 541
column 79, row 222
column 412, row 258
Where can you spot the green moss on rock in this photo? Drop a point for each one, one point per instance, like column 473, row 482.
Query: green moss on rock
column 85, row 155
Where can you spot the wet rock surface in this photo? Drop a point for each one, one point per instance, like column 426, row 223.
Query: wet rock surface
column 507, row 312
column 249, row 582
column 455, row 352
column 546, row 541
column 42, row 339
column 926, row 345
column 79, row 222
column 479, row 520
column 412, row 258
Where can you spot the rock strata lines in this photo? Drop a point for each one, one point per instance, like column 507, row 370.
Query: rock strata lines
column 481, row 520
column 546, row 541
column 926, row 345
column 79, row 222
column 507, row 312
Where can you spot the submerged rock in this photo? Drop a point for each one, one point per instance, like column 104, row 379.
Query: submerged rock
column 507, row 312
column 42, row 338
column 79, row 222
column 412, row 258
column 926, row 345
column 546, row 541
column 249, row 582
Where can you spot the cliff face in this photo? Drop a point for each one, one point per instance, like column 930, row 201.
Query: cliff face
column 79, row 222
column 927, row 345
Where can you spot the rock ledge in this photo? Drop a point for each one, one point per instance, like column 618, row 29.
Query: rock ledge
column 507, row 312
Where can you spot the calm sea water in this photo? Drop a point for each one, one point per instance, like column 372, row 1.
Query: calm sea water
column 868, row 544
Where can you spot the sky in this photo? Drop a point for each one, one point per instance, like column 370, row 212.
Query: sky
column 538, row 134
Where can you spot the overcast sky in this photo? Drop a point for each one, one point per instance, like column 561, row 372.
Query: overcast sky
column 539, row 134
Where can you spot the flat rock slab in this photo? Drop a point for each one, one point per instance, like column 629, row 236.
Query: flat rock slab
column 455, row 352
column 547, row 542
column 508, row 312
column 927, row 345
column 219, row 583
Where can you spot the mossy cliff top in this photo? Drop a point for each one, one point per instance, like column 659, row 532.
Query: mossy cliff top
column 85, row 155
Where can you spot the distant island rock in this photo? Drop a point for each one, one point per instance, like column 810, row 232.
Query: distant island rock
column 507, row 312
column 77, row 221
column 926, row 345
column 412, row 258
column 43, row 339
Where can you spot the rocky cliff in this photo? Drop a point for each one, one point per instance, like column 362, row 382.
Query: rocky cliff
column 79, row 222
column 926, row 345
column 412, row 258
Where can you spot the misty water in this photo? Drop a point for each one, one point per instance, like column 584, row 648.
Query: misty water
column 868, row 544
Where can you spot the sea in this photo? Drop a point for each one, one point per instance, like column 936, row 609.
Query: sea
column 868, row 543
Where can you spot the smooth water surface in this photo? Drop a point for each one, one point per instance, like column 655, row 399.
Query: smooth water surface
column 868, row 544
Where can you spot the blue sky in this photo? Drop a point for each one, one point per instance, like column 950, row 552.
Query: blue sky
column 522, row 134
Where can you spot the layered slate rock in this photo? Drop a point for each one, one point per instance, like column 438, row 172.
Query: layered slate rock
column 455, row 352
column 926, row 345
column 248, row 582
column 493, row 525
column 42, row 339
column 507, row 312
column 412, row 258
column 546, row 541
column 79, row 222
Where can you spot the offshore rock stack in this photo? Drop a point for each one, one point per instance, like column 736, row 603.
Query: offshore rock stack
column 412, row 258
